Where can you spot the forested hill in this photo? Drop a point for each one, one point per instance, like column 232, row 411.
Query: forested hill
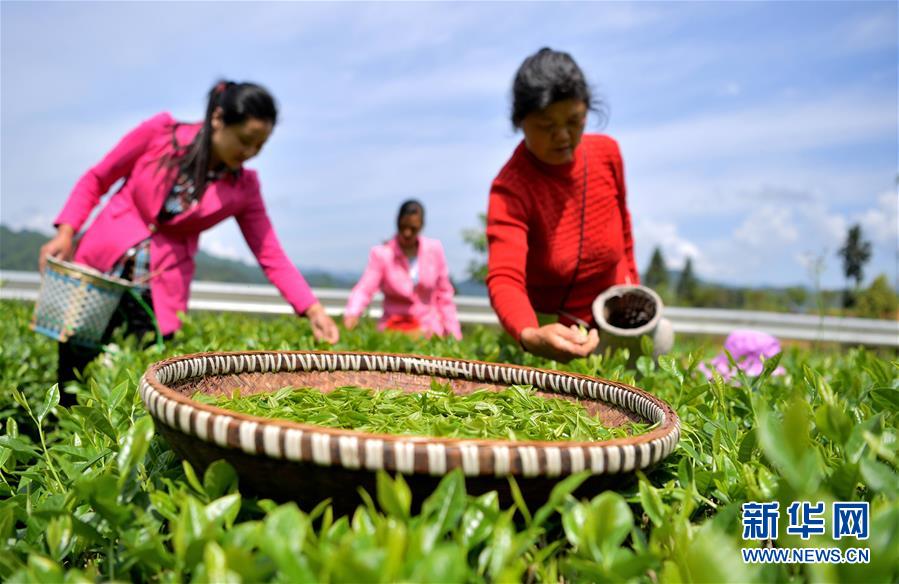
column 19, row 251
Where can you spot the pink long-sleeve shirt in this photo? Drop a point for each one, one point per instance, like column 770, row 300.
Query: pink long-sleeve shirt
column 430, row 300
column 131, row 216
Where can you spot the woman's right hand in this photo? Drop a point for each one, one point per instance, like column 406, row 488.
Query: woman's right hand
column 350, row 322
column 559, row 342
column 61, row 246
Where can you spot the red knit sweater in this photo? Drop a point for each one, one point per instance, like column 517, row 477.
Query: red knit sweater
column 533, row 231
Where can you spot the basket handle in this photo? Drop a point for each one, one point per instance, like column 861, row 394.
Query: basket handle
column 140, row 301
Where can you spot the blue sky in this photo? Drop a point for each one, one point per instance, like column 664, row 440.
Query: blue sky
column 753, row 133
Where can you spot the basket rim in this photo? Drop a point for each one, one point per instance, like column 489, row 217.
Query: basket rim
column 87, row 273
column 246, row 432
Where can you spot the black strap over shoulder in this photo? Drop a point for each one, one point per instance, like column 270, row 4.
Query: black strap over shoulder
column 580, row 244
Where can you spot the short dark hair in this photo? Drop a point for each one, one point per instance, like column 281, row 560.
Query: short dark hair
column 411, row 207
column 544, row 78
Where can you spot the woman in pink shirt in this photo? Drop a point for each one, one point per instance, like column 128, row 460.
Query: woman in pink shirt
column 180, row 179
column 411, row 271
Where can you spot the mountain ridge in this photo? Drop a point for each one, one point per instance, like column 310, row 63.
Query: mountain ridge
column 19, row 251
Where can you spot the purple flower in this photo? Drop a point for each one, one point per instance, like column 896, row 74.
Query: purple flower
column 749, row 349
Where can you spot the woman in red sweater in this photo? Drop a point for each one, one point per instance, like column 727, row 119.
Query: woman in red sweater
column 558, row 228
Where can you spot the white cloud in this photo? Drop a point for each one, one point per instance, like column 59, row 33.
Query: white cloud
column 769, row 130
column 821, row 224
column 882, row 223
column 42, row 222
column 225, row 240
column 781, row 244
column 649, row 234
column 42, row 161
column 767, row 227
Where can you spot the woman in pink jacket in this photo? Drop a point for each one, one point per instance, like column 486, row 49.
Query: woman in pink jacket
column 411, row 271
column 180, row 180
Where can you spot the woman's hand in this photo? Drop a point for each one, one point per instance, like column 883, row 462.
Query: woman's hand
column 61, row 246
column 559, row 342
column 350, row 322
column 323, row 327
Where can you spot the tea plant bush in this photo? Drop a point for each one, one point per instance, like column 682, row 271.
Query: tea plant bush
column 91, row 493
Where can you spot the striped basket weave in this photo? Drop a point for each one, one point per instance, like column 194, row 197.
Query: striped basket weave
column 286, row 460
column 76, row 303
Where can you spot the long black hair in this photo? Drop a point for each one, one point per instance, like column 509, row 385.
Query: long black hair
column 546, row 77
column 239, row 101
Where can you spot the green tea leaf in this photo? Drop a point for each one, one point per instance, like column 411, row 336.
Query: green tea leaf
column 191, row 478
column 557, row 496
column 833, row 422
column 885, row 397
column 134, row 447
column 394, row 496
column 711, row 557
column 611, row 518
column 12, row 428
column 479, row 519
column 17, row 445
column 42, row 570
column 219, row 479
column 879, row 477
column 652, row 502
column 519, row 501
column 216, row 565
column 444, row 563
column 223, row 509
column 285, row 530
column 443, row 508
column 59, row 537
column 668, row 363
column 747, row 447
column 95, row 420
column 574, row 521
column 51, row 400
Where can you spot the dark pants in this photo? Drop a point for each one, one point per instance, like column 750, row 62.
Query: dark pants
column 74, row 358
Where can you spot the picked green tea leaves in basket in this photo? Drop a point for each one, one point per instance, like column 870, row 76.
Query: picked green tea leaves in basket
column 514, row 413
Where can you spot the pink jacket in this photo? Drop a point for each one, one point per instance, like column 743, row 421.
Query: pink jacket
column 130, row 217
column 430, row 301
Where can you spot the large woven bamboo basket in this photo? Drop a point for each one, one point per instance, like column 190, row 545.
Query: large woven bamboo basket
column 286, row 460
column 76, row 303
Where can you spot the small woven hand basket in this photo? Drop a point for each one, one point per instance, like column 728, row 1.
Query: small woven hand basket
column 76, row 303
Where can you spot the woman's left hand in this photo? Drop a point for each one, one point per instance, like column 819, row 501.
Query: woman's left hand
column 323, row 327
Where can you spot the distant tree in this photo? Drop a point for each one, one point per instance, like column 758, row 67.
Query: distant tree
column 797, row 296
column 766, row 300
column 477, row 239
column 855, row 253
column 716, row 296
column 19, row 250
column 878, row 301
column 656, row 276
column 688, row 285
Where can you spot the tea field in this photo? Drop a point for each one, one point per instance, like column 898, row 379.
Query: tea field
column 91, row 493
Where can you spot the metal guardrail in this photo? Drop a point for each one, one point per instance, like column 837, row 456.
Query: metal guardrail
column 265, row 299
